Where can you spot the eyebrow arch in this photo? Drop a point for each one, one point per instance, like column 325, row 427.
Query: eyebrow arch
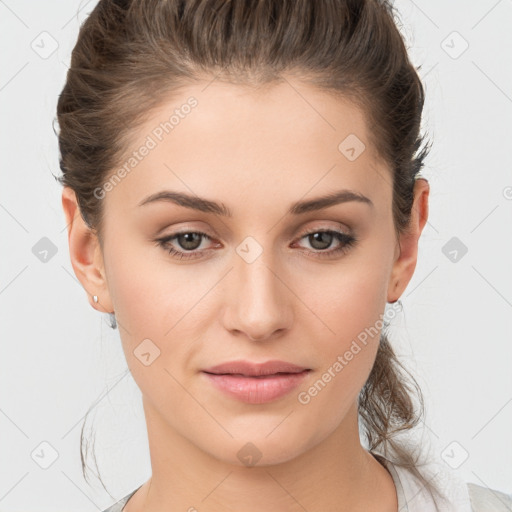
column 298, row 208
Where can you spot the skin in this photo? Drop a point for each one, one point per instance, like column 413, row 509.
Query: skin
column 257, row 151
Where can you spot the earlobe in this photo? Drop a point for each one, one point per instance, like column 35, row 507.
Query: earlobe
column 407, row 248
column 85, row 254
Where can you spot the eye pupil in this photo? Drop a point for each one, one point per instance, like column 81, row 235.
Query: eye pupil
column 319, row 237
column 186, row 240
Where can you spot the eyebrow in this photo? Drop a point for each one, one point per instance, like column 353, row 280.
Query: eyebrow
column 298, row 208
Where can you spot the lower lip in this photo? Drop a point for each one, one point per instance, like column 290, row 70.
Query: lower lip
column 257, row 390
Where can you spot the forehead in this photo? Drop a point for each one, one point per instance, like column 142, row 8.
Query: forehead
column 288, row 112
column 216, row 138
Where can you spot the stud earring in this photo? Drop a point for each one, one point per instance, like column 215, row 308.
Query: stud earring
column 95, row 298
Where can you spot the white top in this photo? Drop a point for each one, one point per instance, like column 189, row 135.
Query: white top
column 414, row 497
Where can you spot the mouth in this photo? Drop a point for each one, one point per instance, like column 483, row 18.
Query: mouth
column 255, row 383
column 250, row 369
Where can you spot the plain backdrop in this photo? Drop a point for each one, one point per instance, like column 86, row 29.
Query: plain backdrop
column 59, row 356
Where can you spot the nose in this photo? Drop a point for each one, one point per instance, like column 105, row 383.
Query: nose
column 259, row 301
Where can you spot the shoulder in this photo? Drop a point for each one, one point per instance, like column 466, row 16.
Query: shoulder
column 484, row 499
column 456, row 494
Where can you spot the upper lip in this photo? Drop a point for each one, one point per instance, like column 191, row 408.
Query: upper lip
column 250, row 369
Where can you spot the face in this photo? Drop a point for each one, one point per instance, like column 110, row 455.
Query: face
column 267, row 273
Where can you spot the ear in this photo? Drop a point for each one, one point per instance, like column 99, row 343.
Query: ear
column 407, row 249
column 85, row 254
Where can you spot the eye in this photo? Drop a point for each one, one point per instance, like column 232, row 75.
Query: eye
column 190, row 242
column 323, row 238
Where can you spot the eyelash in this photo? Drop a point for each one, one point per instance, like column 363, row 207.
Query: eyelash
column 347, row 241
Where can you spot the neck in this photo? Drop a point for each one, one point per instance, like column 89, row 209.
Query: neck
column 335, row 474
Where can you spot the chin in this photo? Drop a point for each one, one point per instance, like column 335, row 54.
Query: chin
column 260, row 451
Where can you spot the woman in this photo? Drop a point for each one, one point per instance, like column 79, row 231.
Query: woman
column 242, row 190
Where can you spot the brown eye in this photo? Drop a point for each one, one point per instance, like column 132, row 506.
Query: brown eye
column 321, row 239
column 189, row 241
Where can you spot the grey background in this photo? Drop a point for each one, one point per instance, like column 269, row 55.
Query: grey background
column 59, row 356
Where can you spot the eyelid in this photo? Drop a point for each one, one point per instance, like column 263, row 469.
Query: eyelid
column 313, row 228
column 169, row 231
column 338, row 226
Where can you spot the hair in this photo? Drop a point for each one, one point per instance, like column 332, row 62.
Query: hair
column 131, row 55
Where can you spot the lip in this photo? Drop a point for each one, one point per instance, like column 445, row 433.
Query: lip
column 250, row 369
column 256, row 383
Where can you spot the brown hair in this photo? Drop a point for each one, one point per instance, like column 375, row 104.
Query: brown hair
column 131, row 54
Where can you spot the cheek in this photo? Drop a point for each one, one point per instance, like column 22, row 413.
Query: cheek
column 347, row 301
column 162, row 310
column 350, row 306
column 148, row 303
column 150, row 294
